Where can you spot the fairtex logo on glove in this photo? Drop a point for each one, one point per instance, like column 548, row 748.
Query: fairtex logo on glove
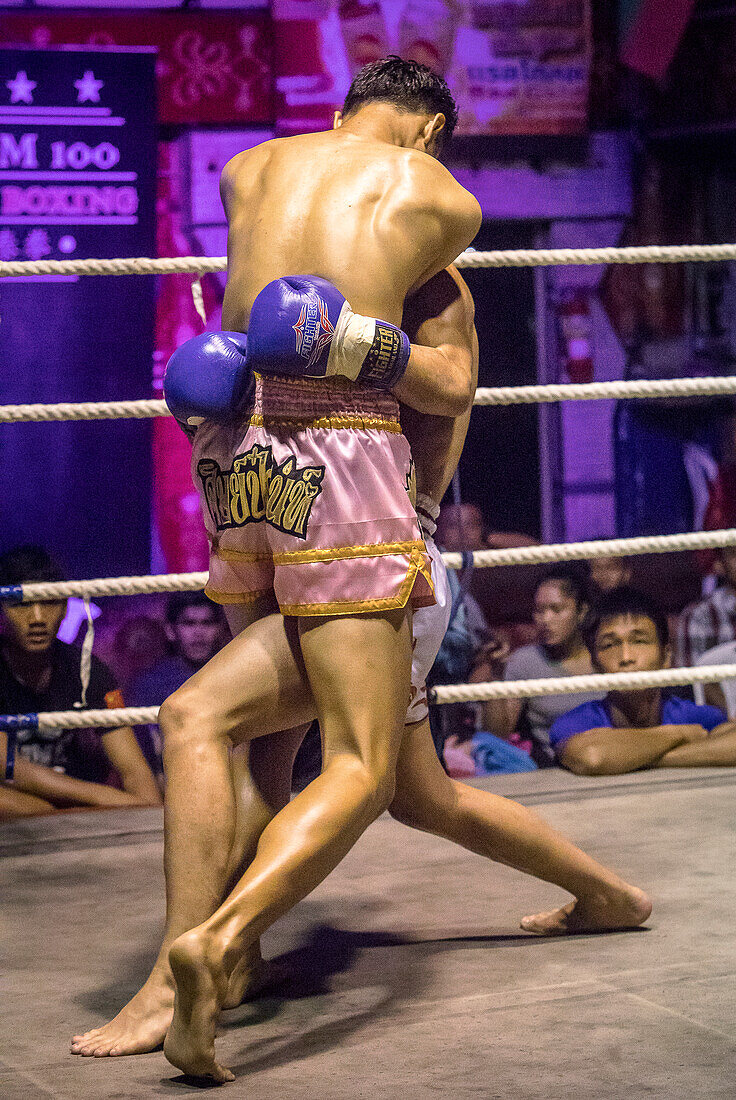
column 314, row 330
column 257, row 488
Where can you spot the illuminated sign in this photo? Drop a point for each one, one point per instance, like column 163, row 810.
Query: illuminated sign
column 76, row 133
column 78, row 152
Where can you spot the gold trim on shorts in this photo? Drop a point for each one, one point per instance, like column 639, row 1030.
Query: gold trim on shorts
column 300, row 423
column 354, row 607
column 236, row 597
column 338, row 553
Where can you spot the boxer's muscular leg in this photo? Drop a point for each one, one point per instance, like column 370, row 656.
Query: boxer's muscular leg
column 200, row 722
column 358, row 668
column 502, row 830
column 262, row 777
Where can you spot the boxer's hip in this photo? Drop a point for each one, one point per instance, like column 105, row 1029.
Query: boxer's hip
column 310, row 497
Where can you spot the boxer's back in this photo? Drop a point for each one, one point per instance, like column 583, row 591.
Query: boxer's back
column 372, row 218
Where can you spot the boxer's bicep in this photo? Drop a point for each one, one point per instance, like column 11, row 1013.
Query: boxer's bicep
column 443, row 367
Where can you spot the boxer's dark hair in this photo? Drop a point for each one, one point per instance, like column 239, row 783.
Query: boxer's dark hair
column 27, row 564
column 406, row 85
column 624, row 601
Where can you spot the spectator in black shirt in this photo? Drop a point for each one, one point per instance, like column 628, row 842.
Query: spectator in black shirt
column 58, row 768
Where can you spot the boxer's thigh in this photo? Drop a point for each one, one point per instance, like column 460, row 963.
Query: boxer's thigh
column 256, row 684
column 359, row 668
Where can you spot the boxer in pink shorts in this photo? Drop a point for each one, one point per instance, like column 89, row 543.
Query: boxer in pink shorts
column 310, row 499
column 359, row 218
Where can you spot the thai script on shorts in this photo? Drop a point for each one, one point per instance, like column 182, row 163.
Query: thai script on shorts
column 257, row 488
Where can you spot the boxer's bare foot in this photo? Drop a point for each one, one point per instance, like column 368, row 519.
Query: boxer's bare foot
column 250, row 978
column 201, row 988
column 138, row 1028
column 603, row 912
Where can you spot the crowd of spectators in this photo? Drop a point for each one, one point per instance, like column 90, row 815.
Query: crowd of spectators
column 588, row 618
column 585, row 617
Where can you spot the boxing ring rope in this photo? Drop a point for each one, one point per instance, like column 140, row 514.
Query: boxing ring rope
column 482, row 559
column 441, row 694
column 484, row 396
column 507, row 395
column 519, row 257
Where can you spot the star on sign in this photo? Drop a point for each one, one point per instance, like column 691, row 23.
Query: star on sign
column 21, row 89
column 88, row 89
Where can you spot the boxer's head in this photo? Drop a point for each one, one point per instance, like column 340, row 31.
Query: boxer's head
column 30, row 627
column 411, row 89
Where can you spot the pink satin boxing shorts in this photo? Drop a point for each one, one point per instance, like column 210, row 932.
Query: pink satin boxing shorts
column 309, row 498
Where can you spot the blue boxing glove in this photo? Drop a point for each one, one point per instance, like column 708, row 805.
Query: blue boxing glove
column 208, row 378
column 302, row 326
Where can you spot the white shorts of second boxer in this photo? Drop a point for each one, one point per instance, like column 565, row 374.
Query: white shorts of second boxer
column 429, row 628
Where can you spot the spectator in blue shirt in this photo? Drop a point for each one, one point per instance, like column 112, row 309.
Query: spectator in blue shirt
column 629, row 730
column 196, row 630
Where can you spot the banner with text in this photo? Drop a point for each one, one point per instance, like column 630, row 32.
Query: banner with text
column 77, row 180
column 514, row 66
column 212, row 66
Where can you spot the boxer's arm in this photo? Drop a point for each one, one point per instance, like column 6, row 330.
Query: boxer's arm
column 442, row 374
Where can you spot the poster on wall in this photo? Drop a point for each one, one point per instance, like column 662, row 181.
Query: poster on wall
column 77, row 180
column 211, row 67
column 514, row 66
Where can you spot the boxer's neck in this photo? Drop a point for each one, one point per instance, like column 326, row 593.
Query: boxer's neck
column 383, row 122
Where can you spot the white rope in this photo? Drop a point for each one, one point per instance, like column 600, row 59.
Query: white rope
column 131, row 265
column 596, row 548
column 564, row 685
column 88, row 719
column 198, row 299
column 84, row 410
column 567, row 257
column 482, row 559
column 85, row 664
column 499, row 395
column 599, row 391
column 521, row 257
column 455, row 693
column 114, row 586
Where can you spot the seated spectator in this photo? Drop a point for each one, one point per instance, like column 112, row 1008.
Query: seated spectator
column 608, row 573
column 58, row 768
column 196, row 630
column 628, row 730
column 560, row 606
column 140, row 641
column 711, row 621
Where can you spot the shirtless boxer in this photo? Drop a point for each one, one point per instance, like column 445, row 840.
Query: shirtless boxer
column 260, row 686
